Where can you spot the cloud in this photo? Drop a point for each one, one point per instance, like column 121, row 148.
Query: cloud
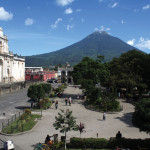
column 64, row 2
column 29, row 21
column 143, row 44
column 108, row 29
column 131, row 42
column 56, row 23
column 102, row 28
column 4, row 15
column 68, row 11
column 114, row 5
column 69, row 27
column 146, row 7
column 122, row 22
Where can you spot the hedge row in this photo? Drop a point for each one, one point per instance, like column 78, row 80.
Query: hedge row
column 100, row 143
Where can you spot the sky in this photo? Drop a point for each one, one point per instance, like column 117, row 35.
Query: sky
column 42, row 26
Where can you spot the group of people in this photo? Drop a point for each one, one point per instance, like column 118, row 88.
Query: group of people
column 68, row 101
column 48, row 140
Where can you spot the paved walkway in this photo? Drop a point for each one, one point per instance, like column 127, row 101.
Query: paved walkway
column 93, row 121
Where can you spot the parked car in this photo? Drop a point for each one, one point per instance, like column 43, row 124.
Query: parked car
column 53, row 80
column 8, row 145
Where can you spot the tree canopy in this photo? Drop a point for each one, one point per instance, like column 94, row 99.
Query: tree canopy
column 89, row 72
column 130, row 71
column 38, row 91
column 141, row 116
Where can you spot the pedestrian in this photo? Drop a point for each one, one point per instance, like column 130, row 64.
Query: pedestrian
column 118, row 135
column 70, row 100
column 119, row 94
column 66, row 100
column 104, row 116
column 78, row 97
column 47, row 139
column 56, row 104
column 31, row 104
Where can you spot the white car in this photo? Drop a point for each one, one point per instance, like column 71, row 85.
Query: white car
column 8, row 145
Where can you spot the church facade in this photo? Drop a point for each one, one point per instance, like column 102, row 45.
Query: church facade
column 12, row 67
column 65, row 74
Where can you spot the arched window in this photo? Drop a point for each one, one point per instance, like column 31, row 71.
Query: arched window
column 63, row 73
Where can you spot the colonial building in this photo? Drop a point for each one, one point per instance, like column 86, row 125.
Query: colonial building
column 12, row 67
column 38, row 74
column 65, row 74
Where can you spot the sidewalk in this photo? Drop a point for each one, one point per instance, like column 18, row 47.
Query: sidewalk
column 93, row 121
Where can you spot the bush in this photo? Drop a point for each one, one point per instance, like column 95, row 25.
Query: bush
column 44, row 103
column 88, row 142
column 28, row 111
column 52, row 94
column 129, row 143
column 100, row 143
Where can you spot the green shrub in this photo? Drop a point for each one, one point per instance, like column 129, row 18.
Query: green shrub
column 100, row 143
column 52, row 94
column 88, row 142
column 44, row 103
column 28, row 111
column 129, row 143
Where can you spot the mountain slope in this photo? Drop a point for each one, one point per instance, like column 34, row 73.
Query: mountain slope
column 97, row 43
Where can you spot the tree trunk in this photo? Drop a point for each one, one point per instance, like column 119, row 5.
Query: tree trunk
column 65, row 138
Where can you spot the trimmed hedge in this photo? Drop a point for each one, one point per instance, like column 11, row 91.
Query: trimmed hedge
column 100, row 143
column 88, row 142
column 129, row 143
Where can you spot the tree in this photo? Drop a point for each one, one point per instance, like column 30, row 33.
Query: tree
column 81, row 128
column 32, row 91
column 141, row 116
column 40, row 92
column 65, row 122
column 36, row 92
column 129, row 71
column 46, row 87
column 90, row 72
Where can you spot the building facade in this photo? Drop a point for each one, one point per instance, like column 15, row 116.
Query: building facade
column 37, row 74
column 65, row 74
column 12, row 67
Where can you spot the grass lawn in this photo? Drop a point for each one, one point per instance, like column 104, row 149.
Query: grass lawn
column 19, row 125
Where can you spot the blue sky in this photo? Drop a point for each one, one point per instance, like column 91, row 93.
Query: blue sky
column 42, row 26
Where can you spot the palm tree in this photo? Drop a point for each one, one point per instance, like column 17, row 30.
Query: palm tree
column 81, row 128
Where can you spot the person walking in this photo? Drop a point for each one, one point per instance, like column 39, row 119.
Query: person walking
column 56, row 104
column 66, row 101
column 70, row 100
column 104, row 116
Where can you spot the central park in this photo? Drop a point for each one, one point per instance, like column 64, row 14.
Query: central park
column 106, row 98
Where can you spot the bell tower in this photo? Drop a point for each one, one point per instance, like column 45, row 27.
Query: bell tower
column 3, row 43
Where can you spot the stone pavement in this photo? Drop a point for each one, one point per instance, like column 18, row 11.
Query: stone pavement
column 93, row 121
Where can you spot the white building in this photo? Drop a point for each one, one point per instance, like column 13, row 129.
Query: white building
column 33, row 69
column 12, row 67
column 65, row 74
